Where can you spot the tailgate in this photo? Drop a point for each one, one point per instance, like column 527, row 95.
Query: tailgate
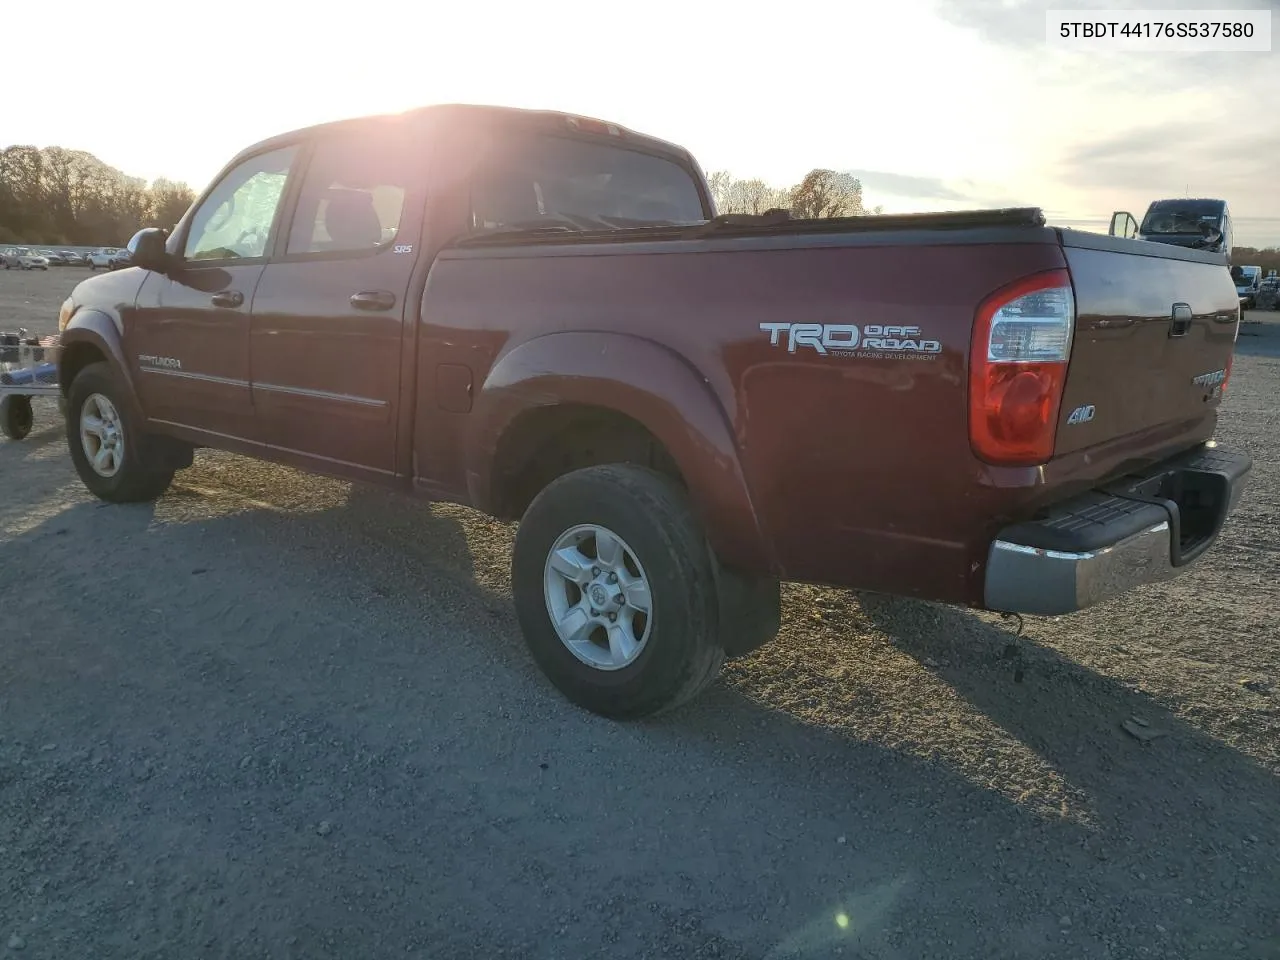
column 1155, row 332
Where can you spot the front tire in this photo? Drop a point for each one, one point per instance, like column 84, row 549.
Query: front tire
column 110, row 452
column 615, row 590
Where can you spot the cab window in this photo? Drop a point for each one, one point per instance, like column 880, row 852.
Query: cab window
column 352, row 197
column 574, row 183
column 234, row 221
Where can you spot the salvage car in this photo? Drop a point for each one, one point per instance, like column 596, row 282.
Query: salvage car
column 23, row 258
column 1203, row 224
column 108, row 258
column 1268, row 297
column 541, row 316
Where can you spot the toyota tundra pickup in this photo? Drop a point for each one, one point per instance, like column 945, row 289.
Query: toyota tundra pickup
column 541, row 316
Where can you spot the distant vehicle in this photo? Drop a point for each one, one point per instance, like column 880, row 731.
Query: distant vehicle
column 23, row 258
column 72, row 258
column 1202, row 224
column 1247, row 282
column 108, row 258
column 1268, row 297
column 54, row 257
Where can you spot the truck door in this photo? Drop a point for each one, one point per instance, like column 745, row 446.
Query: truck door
column 329, row 311
column 188, row 341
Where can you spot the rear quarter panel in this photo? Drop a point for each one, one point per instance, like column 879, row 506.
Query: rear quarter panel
column 858, row 466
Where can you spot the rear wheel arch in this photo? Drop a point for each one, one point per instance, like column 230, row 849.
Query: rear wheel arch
column 666, row 415
column 544, row 443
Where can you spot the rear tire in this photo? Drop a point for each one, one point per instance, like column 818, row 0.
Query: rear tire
column 675, row 653
column 132, row 473
column 16, row 418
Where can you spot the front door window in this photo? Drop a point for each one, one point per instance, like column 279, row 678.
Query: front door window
column 234, row 222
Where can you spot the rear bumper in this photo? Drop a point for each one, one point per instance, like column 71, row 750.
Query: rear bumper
column 1141, row 529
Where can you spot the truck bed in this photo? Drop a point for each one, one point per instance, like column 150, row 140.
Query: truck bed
column 858, row 465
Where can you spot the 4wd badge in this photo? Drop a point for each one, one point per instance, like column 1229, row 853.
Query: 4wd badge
column 1082, row 414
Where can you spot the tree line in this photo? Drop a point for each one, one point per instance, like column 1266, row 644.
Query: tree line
column 821, row 194
column 1268, row 258
column 54, row 196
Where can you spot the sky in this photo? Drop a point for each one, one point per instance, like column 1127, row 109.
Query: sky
column 935, row 104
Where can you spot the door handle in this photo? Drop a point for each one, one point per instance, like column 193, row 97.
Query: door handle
column 228, row 298
column 1180, row 324
column 373, row 300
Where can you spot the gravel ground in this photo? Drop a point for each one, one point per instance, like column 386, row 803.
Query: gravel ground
column 273, row 715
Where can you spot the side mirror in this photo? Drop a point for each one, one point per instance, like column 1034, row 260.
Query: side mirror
column 1123, row 224
column 146, row 249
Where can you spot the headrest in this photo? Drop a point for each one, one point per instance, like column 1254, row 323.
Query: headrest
column 351, row 221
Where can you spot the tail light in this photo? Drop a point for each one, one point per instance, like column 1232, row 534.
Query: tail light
column 1018, row 368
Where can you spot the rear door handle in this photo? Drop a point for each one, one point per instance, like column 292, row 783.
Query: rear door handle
column 228, row 298
column 373, row 300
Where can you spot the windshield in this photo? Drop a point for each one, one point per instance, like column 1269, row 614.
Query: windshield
column 1186, row 216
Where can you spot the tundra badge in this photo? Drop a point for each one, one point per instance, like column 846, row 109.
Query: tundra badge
column 148, row 362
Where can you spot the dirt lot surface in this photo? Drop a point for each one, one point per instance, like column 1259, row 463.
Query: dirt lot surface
column 279, row 716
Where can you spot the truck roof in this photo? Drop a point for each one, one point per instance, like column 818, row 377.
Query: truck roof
column 483, row 115
column 1181, row 201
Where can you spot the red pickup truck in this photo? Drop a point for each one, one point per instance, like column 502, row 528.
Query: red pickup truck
column 541, row 316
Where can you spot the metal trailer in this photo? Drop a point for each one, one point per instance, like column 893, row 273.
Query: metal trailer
column 28, row 368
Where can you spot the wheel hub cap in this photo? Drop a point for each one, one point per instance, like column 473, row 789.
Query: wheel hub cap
column 101, row 435
column 597, row 596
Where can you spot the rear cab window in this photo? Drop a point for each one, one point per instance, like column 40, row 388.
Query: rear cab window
column 353, row 196
column 533, row 181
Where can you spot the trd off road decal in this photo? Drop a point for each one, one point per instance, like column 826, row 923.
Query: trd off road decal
column 873, row 341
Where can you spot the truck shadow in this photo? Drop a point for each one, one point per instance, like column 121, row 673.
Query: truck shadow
column 1165, row 792
column 382, row 626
